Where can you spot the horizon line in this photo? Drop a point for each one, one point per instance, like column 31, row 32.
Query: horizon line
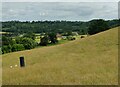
column 58, row 20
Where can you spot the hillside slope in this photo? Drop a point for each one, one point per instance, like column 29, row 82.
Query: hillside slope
column 89, row 61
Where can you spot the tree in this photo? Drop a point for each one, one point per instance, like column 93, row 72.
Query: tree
column 18, row 40
column 53, row 38
column 7, row 41
column 97, row 26
column 28, row 43
column 18, row 47
column 30, row 35
column 44, row 41
column 69, row 33
column 6, row 49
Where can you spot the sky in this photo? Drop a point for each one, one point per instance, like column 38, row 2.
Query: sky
column 59, row 0
column 70, row 11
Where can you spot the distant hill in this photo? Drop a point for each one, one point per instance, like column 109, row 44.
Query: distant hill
column 92, row 60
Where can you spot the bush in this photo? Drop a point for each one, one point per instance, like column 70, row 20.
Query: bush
column 18, row 47
column 28, row 43
column 18, row 40
column 82, row 37
column 7, row 41
column 70, row 38
column 6, row 49
column 30, row 35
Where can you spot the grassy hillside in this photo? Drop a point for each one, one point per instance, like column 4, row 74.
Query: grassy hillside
column 89, row 61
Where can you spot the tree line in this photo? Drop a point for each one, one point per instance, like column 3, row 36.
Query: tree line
column 48, row 30
column 18, row 27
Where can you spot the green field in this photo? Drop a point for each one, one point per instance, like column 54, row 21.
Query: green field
column 92, row 60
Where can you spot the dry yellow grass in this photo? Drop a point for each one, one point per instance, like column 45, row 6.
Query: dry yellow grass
column 89, row 61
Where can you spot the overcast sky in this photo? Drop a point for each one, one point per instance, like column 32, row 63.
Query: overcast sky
column 71, row 11
column 59, row 0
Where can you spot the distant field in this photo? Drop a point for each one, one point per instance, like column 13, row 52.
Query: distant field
column 89, row 61
column 37, row 39
column 3, row 32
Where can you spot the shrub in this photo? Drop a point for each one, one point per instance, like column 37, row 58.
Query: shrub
column 28, row 43
column 18, row 47
column 6, row 49
column 7, row 41
column 18, row 40
column 30, row 35
column 82, row 37
column 70, row 38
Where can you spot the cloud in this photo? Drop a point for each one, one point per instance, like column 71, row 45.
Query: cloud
column 59, row 10
column 60, row 0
